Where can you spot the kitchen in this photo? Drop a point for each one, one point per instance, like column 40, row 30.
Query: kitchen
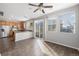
column 13, row 31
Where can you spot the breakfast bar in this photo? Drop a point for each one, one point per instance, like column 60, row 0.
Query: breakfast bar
column 21, row 35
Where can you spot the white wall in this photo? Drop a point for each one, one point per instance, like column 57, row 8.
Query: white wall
column 62, row 38
column 28, row 27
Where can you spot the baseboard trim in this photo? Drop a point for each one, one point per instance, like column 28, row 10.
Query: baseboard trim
column 63, row 45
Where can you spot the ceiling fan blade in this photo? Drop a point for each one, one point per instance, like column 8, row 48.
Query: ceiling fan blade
column 32, row 4
column 47, row 6
column 35, row 10
column 41, row 4
column 43, row 11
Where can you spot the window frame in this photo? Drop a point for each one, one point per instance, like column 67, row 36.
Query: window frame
column 70, row 12
column 51, row 25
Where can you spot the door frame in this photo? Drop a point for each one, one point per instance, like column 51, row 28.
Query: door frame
column 39, row 27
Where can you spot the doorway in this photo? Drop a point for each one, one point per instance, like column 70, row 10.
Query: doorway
column 39, row 28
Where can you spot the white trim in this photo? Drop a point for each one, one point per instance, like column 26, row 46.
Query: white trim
column 64, row 45
column 39, row 28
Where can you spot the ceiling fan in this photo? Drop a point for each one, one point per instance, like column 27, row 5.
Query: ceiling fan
column 40, row 7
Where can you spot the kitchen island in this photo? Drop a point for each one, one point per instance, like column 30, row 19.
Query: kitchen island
column 21, row 35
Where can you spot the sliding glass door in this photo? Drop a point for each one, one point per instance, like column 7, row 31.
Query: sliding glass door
column 39, row 28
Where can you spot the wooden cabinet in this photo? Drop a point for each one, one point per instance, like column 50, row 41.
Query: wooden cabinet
column 21, row 25
column 7, row 23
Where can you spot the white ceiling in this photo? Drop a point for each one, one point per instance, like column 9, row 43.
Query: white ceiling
column 22, row 11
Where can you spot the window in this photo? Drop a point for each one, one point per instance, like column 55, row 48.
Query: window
column 67, row 22
column 51, row 25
